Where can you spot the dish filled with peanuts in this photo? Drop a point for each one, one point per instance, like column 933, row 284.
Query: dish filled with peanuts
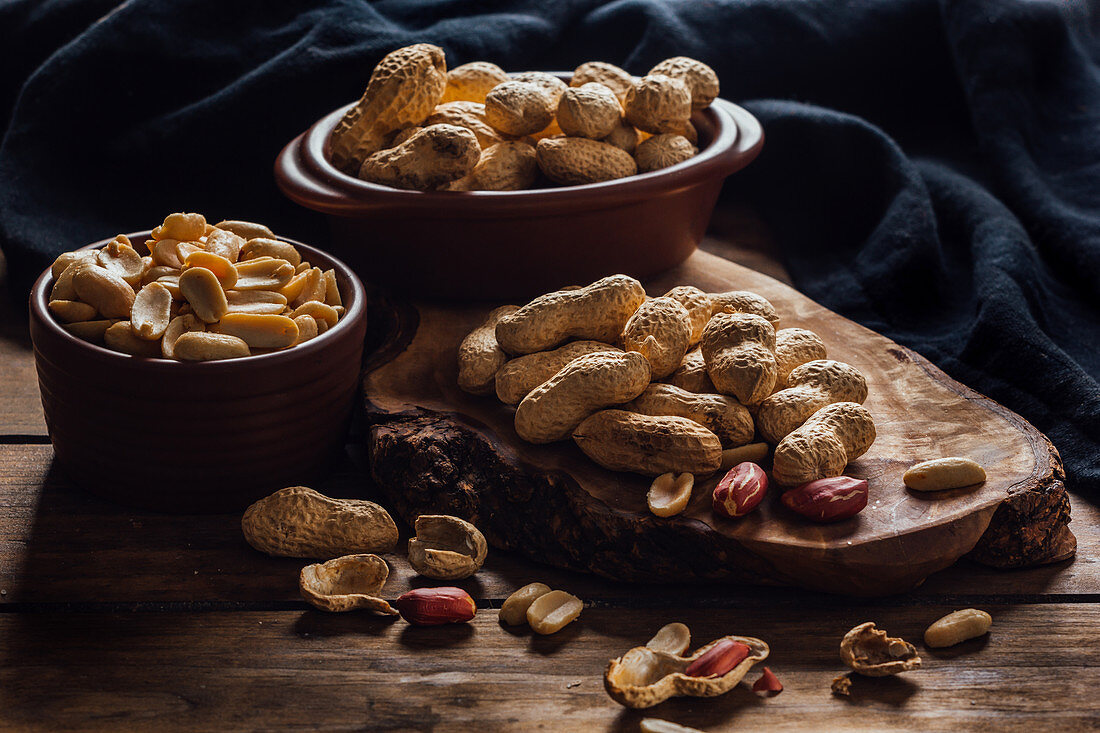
column 195, row 291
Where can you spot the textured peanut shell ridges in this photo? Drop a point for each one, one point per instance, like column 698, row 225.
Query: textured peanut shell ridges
column 300, row 522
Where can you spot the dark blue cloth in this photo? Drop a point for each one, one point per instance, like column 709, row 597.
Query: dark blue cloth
column 932, row 170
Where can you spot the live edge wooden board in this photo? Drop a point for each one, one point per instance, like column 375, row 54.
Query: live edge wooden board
column 435, row 449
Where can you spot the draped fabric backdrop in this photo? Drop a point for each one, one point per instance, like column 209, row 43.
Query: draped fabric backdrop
column 931, row 170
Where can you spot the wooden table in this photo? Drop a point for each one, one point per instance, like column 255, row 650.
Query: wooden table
column 115, row 619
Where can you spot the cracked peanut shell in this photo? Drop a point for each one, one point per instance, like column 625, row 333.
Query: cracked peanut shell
column 644, row 677
column 872, row 653
column 446, row 548
column 347, row 583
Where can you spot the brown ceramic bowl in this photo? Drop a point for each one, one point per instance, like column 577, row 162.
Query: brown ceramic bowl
column 517, row 244
column 198, row 437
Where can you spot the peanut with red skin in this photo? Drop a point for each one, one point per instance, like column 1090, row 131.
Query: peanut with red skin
column 740, row 491
column 718, row 660
column 436, row 606
column 828, row 499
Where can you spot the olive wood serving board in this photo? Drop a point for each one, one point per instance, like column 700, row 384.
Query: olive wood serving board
column 436, row 449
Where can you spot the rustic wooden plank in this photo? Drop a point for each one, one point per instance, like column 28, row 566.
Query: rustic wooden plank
column 58, row 545
column 309, row 670
column 20, row 408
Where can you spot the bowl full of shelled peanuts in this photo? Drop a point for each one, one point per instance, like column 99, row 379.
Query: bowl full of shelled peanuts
column 196, row 367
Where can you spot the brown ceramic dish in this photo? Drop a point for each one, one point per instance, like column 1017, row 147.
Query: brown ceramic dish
column 197, row 437
column 516, row 244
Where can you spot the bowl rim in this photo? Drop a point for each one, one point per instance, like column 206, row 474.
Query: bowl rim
column 305, row 175
column 39, row 298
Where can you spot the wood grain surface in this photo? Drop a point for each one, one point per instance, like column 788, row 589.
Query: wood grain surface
column 113, row 619
column 601, row 522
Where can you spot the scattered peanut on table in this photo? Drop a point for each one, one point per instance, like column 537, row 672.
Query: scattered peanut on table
column 205, row 292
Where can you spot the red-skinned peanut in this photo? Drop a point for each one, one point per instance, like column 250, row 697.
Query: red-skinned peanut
column 740, row 490
column 828, row 499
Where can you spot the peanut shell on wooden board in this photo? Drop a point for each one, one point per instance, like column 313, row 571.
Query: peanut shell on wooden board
column 403, row 90
column 347, row 583
column 480, row 356
column 698, row 305
column 446, row 548
column 739, row 350
column 596, row 312
column 659, row 330
column 589, row 383
column 821, row 447
column 644, row 677
column 810, row 387
column 724, row 416
column 575, row 161
column 625, row 441
column 692, row 375
column 743, row 301
column 519, row 376
column 872, row 653
column 300, row 522
column 793, row 348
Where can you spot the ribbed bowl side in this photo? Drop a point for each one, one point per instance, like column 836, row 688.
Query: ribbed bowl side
column 185, row 438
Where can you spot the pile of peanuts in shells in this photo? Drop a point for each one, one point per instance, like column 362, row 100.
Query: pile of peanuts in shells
column 202, row 293
column 421, row 127
column 689, row 383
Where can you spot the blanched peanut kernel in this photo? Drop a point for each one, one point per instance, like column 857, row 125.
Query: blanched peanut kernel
column 514, row 609
column 957, row 627
column 553, row 611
